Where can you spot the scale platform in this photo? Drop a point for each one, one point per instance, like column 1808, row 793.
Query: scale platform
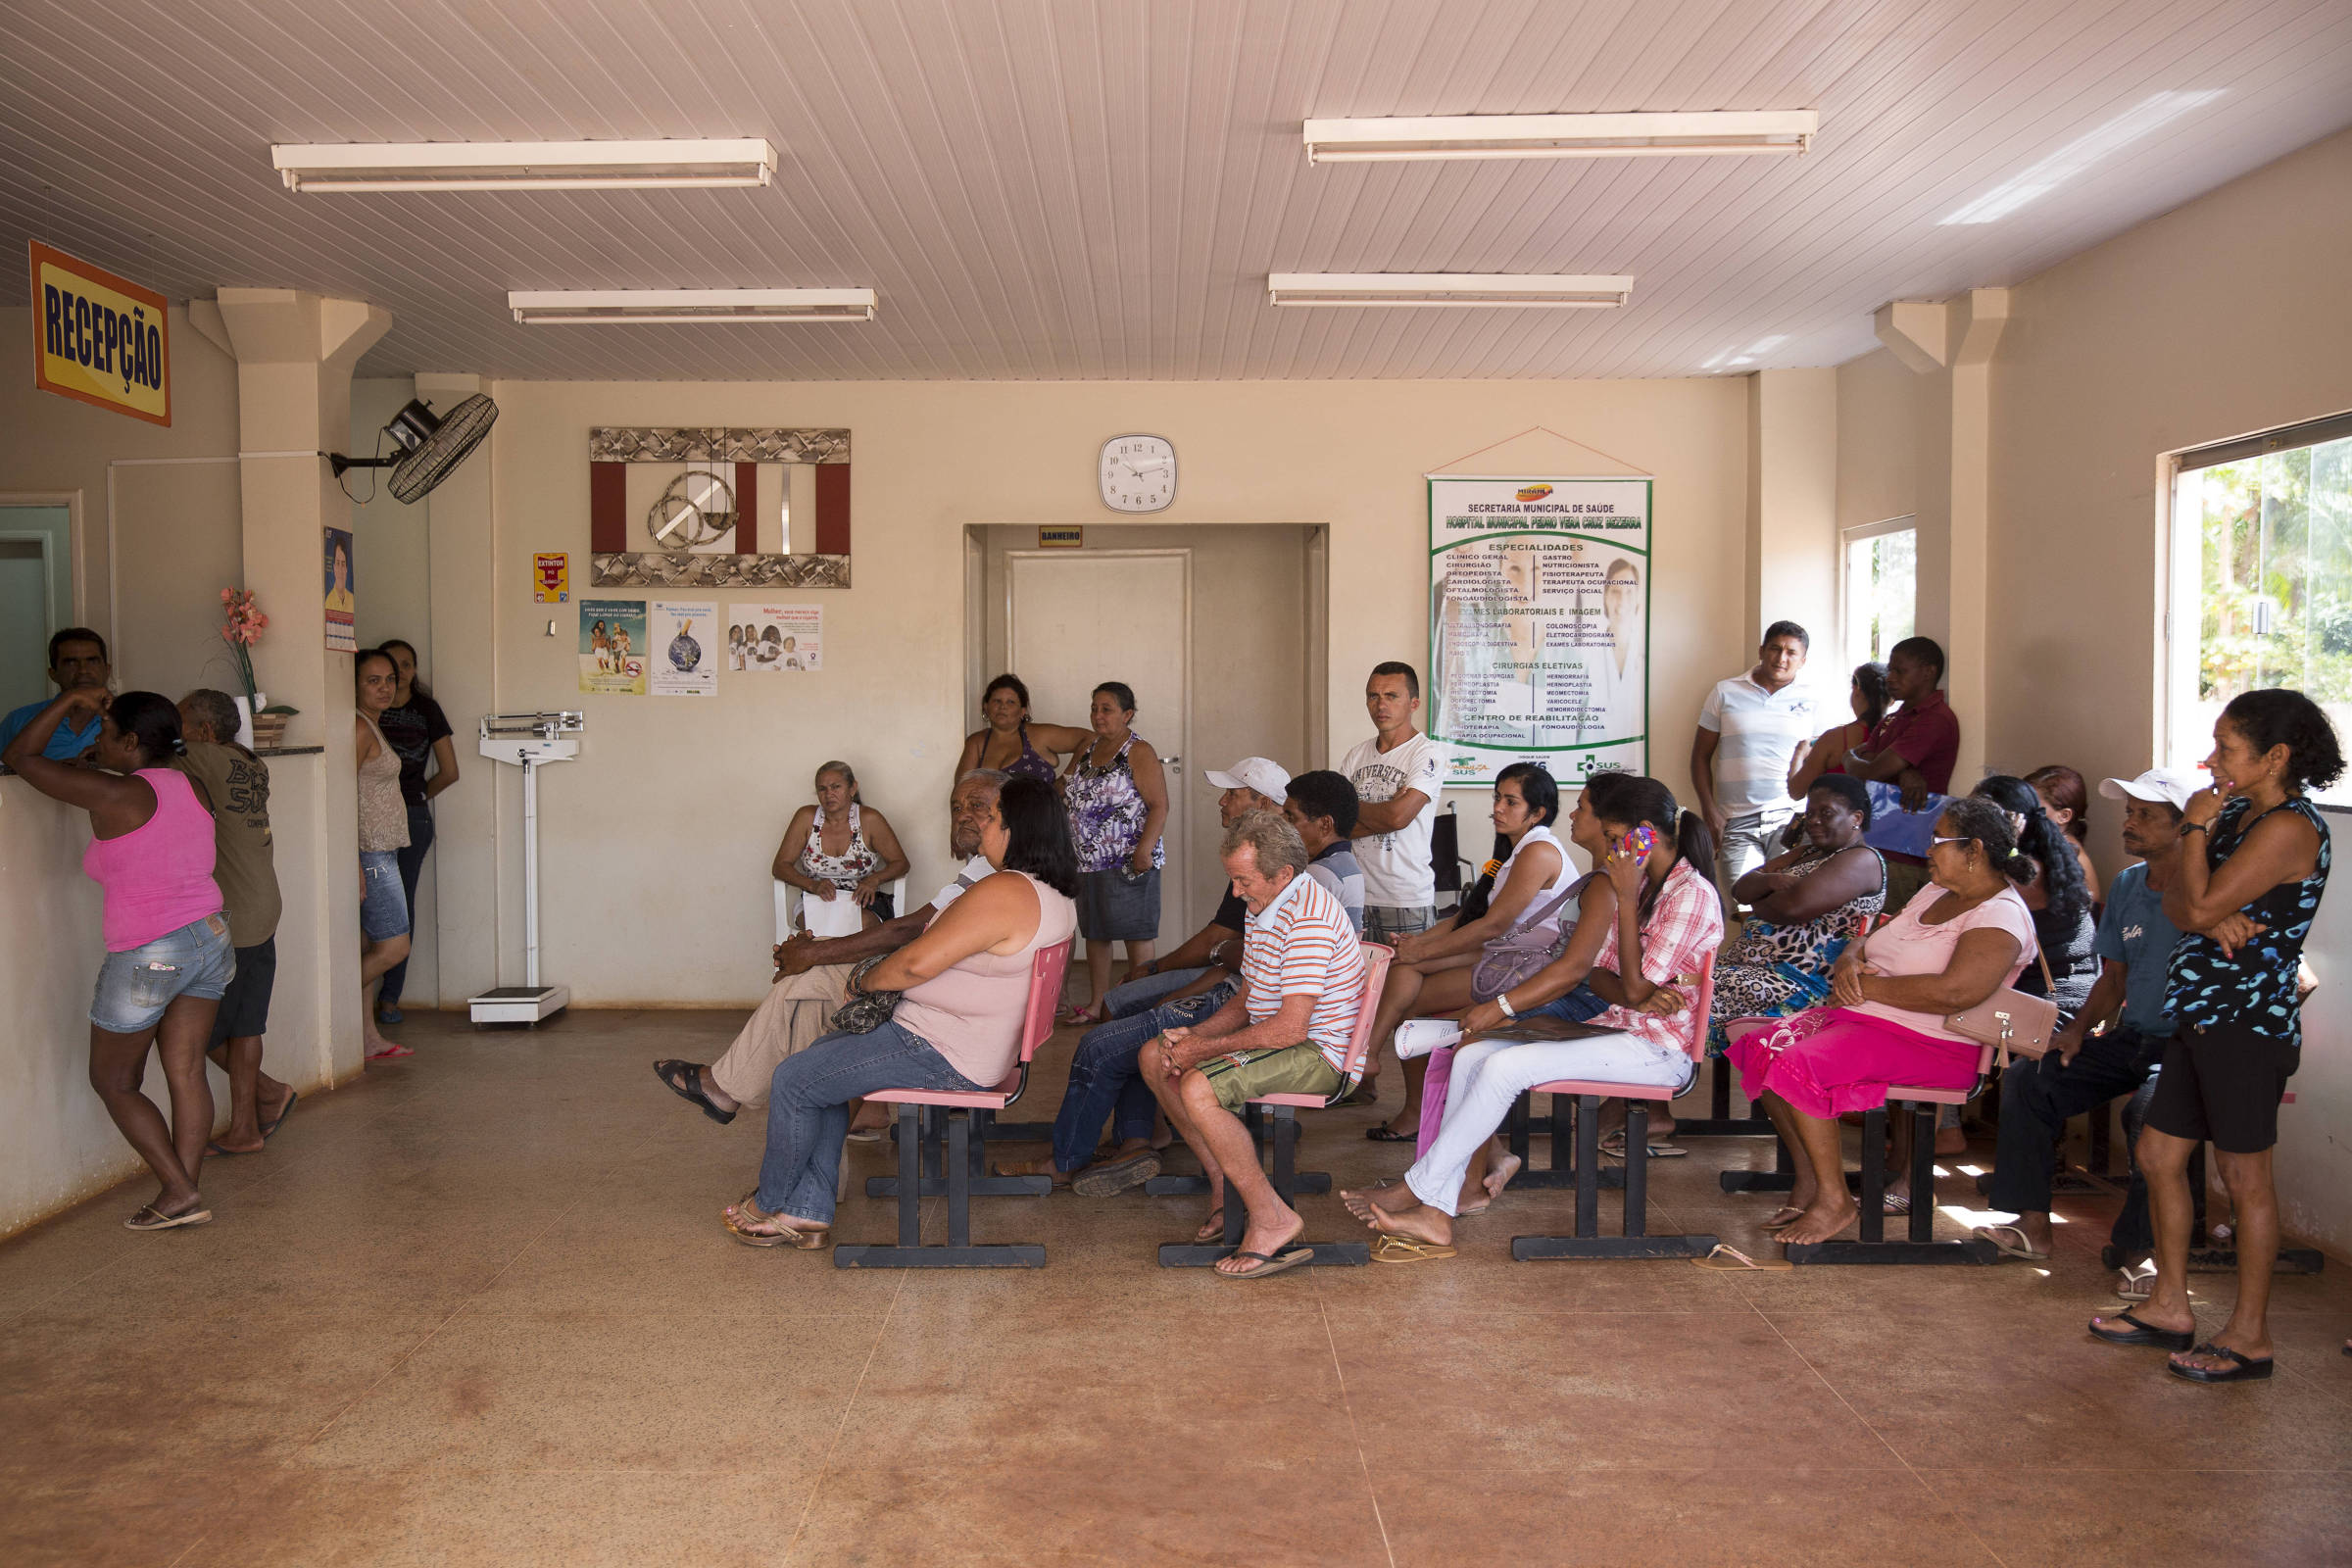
column 519, row 1003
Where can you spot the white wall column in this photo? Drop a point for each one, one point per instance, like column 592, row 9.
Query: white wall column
column 1792, row 508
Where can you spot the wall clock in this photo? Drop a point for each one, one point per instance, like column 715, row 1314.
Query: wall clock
column 1138, row 473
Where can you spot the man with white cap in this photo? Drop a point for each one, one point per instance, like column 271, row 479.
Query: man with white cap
column 1188, row 985
column 2084, row 1071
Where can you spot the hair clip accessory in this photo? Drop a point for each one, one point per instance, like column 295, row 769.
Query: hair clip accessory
column 1642, row 838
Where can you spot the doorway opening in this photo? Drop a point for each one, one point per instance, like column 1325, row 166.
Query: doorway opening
column 1221, row 630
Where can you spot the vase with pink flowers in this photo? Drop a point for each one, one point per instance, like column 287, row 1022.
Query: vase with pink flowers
column 242, row 627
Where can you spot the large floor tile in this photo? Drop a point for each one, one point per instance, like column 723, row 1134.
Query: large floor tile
column 2130, row 1517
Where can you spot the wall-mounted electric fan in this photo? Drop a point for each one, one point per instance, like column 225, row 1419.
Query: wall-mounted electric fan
column 431, row 445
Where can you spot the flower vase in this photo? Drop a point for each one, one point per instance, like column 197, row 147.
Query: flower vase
column 247, row 709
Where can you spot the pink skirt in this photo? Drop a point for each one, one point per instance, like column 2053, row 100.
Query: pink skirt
column 1825, row 1061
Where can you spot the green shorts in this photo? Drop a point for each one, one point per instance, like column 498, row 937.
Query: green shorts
column 1247, row 1075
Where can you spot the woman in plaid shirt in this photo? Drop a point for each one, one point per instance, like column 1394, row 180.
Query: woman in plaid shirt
column 1661, row 862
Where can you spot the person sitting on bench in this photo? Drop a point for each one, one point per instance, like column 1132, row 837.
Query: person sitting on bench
column 812, row 980
column 1187, row 986
column 2084, row 1071
column 1660, row 862
column 1963, row 937
column 1287, row 1031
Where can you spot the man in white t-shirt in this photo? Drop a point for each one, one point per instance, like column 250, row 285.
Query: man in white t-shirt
column 1398, row 775
column 1753, row 732
column 813, row 978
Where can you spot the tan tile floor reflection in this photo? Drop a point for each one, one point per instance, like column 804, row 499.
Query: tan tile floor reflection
column 478, row 1308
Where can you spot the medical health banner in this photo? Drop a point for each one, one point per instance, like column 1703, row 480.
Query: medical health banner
column 99, row 338
column 1539, row 593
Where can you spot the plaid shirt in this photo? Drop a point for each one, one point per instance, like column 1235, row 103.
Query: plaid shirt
column 1683, row 926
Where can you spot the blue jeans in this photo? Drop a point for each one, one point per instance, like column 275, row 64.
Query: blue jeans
column 136, row 985
column 1577, row 1006
column 412, row 867
column 383, row 909
column 809, row 1110
column 1104, row 1082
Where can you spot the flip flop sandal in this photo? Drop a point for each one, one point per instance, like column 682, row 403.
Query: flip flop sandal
column 152, row 1219
column 1473, row 1209
column 391, row 1052
column 807, row 1240
column 2174, row 1340
column 279, row 1120
column 1111, row 1178
column 2019, row 1248
column 1385, row 1134
column 1613, row 1146
column 1728, row 1258
column 1405, row 1249
column 1896, row 1203
column 2138, row 1283
column 684, row 1079
column 2246, row 1368
column 1212, row 1229
column 1270, row 1264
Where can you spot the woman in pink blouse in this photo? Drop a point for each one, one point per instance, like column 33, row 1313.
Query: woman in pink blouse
column 1955, row 945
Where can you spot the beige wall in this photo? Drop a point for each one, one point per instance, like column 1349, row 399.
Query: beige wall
column 1878, row 439
column 657, row 842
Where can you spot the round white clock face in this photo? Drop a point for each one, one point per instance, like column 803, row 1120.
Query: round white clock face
column 1138, row 473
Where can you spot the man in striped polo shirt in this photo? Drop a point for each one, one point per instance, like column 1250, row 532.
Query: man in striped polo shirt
column 1286, row 1032
column 1752, row 731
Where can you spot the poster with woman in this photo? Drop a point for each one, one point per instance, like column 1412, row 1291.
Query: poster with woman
column 1538, row 625
column 342, row 601
column 612, row 647
column 782, row 639
column 683, row 658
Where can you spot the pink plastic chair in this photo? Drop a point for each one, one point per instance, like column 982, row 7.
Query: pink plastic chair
column 1583, row 1097
column 927, row 1117
column 1288, row 1181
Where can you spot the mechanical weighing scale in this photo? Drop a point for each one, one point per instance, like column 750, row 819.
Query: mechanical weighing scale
column 529, row 741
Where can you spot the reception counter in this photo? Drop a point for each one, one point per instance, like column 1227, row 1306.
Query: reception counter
column 57, row 1144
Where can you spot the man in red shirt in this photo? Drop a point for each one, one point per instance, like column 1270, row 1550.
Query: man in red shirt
column 1912, row 748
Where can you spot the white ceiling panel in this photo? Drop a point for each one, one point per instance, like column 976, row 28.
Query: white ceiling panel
column 1066, row 189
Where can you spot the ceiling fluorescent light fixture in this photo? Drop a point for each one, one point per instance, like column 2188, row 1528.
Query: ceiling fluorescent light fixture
column 1596, row 293
column 525, row 165
column 2031, row 184
column 1638, row 136
column 690, row 306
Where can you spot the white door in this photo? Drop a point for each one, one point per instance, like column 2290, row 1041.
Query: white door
column 1074, row 619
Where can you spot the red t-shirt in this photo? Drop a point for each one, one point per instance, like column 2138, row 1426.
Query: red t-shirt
column 1925, row 734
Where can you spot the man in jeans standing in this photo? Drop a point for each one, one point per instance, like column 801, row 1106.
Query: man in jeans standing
column 1398, row 775
column 1750, row 733
column 2084, row 1071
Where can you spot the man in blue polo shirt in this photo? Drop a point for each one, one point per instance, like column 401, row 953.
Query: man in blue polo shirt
column 2084, row 1071
column 76, row 659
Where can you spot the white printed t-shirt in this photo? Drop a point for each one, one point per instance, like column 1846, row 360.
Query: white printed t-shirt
column 1396, row 867
column 1760, row 732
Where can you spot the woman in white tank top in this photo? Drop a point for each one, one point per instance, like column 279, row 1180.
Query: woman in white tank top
column 1432, row 967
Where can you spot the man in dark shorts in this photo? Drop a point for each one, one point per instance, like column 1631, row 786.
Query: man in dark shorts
column 235, row 784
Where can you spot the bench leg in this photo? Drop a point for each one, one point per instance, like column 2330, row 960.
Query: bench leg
column 1919, row 1245
column 1719, row 1122
column 1587, row 1241
column 1289, row 1183
column 961, row 1152
column 1564, row 1167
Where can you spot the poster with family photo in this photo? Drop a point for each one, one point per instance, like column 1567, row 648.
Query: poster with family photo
column 776, row 639
column 612, row 647
column 685, row 653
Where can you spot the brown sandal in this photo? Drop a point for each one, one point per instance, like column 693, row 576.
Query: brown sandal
column 739, row 1218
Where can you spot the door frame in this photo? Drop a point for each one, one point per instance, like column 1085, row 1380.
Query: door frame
column 78, row 613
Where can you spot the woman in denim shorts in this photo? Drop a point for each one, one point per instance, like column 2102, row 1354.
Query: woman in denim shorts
column 384, row 834
column 168, row 953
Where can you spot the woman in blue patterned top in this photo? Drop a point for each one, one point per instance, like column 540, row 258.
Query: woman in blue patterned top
column 2248, row 889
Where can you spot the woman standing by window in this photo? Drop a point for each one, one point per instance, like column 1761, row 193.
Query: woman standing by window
column 1118, row 801
column 420, row 736
column 384, row 834
column 2246, row 891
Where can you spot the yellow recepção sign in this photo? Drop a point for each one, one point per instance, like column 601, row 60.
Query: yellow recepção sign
column 99, row 338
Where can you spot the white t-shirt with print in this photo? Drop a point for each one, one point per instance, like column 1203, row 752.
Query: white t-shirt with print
column 973, row 870
column 1397, row 866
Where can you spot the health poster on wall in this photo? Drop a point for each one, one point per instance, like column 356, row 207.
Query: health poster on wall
column 342, row 601
column 1539, row 593
column 776, row 639
column 612, row 647
column 684, row 658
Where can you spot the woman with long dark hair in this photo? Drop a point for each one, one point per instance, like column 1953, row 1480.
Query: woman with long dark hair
column 2056, row 894
column 418, row 733
column 1866, row 695
column 168, row 953
column 965, row 986
column 1660, row 861
column 2246, row 891
column 2067, row 799
column 384, row 834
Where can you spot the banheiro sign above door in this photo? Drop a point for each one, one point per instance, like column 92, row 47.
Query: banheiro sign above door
column 99, row 338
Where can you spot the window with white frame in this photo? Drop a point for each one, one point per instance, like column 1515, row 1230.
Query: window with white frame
column 2260, row 579
column 1881, row 587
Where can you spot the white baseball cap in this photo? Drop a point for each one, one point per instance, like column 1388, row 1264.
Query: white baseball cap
column 2171, row 785
column 1269, row 778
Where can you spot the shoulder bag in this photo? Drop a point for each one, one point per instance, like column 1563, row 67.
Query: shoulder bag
column 866, row 1010
column 1509, row 958
column 2010, row 1021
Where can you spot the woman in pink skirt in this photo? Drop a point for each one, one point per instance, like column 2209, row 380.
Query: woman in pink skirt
column 1951, row 947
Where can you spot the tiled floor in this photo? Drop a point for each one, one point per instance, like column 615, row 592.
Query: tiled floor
column 478, row 1308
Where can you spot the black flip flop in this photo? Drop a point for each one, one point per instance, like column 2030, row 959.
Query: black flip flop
column 279, row 1120
column 2141, row 1334
column 2247, row 1370
column 691, row 1088
column 1292, row 1256
column 1385, row 1134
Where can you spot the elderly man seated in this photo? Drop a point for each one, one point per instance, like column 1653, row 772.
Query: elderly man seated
column 1286, row 1031
column 812, row 979
column 1187, row 986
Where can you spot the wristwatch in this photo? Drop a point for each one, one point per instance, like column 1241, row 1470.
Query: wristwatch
column 1502, row 999
column 2186, row 829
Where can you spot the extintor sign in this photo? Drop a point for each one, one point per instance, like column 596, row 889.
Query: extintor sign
column 99, row 338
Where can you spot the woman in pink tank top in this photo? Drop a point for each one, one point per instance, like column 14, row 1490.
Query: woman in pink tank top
column 965, row 986
column 169, row 957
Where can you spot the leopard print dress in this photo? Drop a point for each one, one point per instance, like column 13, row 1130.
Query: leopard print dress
column 1773, row 971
